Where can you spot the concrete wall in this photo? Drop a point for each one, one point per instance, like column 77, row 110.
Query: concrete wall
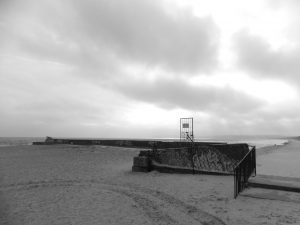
column 206, row 158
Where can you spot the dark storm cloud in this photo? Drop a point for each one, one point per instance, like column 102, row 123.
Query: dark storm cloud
column 179, row 94
column 143, row 32
column 97, row 39
column 88, row 32
column 255, row 54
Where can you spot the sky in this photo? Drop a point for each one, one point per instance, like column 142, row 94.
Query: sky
column 133, row 68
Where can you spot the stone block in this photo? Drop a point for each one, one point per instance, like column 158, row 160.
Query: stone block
column 141, row 161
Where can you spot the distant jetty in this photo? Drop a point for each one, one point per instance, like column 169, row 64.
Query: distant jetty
column 130, row 143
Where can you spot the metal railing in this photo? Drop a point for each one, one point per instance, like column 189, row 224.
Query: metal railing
column 191, row 150
column 245, row 168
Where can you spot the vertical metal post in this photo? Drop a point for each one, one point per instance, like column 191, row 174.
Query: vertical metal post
column 180, row 129
column 193, row 129
column 254, row 151
column 234, row 182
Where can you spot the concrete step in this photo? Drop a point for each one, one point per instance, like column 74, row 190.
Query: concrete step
column 275, row 182
column 269, row 194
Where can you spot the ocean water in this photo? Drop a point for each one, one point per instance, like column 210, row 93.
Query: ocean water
column 17, row 141
column 258, row 141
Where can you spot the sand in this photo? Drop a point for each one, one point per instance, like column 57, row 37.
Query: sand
column 280, row 160
column 94, row 185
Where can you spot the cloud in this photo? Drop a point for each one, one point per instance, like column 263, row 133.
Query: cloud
column 90, row 32
column 85, row 67
column 143, row 31
column 256, row 55
column 58, row 59
column 177, row 93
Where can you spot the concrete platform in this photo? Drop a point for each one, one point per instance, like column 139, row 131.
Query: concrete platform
column 275, row 182
column 261, row 193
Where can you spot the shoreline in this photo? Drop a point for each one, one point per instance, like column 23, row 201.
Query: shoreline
column 280, row 160
column 272, row 148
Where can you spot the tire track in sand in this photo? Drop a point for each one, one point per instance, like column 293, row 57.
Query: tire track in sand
column 199, row 215
column 160, row 207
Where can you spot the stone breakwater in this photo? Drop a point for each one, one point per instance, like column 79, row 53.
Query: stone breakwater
column 211, row 158
column 172, row 156
column 128, row 143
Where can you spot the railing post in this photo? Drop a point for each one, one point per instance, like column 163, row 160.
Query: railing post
column 254, row 160
column 234, row 182
column 245, row 168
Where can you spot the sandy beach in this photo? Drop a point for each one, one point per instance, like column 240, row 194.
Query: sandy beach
column 280, row 160
column 65, row 184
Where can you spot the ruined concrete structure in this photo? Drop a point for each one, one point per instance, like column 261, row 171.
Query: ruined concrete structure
column 210, row 158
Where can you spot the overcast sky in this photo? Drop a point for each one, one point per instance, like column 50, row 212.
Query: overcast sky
column 132, row 68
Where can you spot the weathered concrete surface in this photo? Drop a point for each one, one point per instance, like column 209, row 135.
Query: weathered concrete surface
column 217, row 159
column 203, row 158
column 275, row 182
column 176, row 169
column 141, row 164
column 262, row 193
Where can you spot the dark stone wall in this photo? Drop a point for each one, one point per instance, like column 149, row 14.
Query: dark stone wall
column 215, row 158
column 211, row 159
column 174, row 157
column 235, row 151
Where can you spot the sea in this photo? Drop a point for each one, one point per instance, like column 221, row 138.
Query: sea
column 18, row 141
column 259, row 141
column 256, row 140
